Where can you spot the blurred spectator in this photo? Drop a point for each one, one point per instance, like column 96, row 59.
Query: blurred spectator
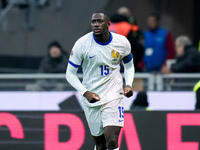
column 141, row 102
column 137, row 33
column 159, row 45
column 55, row 62
column 120, row 24
column 188, row 57
column 197, row 92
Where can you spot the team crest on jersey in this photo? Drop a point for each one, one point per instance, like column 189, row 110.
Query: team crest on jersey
column 115, row 54
column 72, row 53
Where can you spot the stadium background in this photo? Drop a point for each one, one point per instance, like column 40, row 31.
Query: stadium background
column 54, row 119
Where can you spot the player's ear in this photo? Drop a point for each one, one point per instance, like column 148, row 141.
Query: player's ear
column 108, row 24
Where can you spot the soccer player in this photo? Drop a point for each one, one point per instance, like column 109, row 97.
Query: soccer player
column 100, row 53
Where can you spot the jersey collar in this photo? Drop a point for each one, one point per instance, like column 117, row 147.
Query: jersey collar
column 111, row 37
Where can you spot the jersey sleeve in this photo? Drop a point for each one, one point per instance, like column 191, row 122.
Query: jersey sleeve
column 127, row 46
column 127, row 56
column 76, row 56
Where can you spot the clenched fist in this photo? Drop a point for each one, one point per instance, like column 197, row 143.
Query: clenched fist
column 91, row 97
column 128, row 92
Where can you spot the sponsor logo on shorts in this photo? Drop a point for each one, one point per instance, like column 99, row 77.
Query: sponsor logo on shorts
column 121, row 120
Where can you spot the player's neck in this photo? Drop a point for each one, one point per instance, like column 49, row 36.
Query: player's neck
column 104, row 38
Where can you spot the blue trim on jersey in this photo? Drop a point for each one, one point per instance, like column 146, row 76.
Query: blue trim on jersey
column 128, row 58
column 76, row 66
column 111, row 37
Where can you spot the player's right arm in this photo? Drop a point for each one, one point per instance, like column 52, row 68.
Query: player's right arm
column 75, row 82
column 72, row 68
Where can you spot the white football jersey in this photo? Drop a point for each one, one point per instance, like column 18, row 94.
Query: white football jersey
column 101, row 65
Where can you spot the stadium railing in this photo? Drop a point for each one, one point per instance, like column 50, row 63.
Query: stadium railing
column 144, row 81
column 176, row 82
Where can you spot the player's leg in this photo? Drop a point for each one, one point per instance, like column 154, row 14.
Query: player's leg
column 100, row 142
column 113, row 121
column 93, row 117
column 111, row 135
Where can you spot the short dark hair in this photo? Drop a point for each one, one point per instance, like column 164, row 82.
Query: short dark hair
column 55, row 44
column 156, row 16
column 103, row 12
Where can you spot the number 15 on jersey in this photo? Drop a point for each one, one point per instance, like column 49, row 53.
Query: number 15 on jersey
column 104, row 70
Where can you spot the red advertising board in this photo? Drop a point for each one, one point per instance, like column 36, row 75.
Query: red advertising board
column 156, row 130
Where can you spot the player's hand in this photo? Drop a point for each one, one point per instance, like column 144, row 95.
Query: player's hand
column 128, row 92
column 91, row 97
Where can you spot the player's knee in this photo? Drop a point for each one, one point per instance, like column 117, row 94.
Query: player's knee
column 100, row 147
column 112, row 142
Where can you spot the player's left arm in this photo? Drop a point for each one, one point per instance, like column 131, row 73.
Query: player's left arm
column 129, row 70
column 129, row 73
